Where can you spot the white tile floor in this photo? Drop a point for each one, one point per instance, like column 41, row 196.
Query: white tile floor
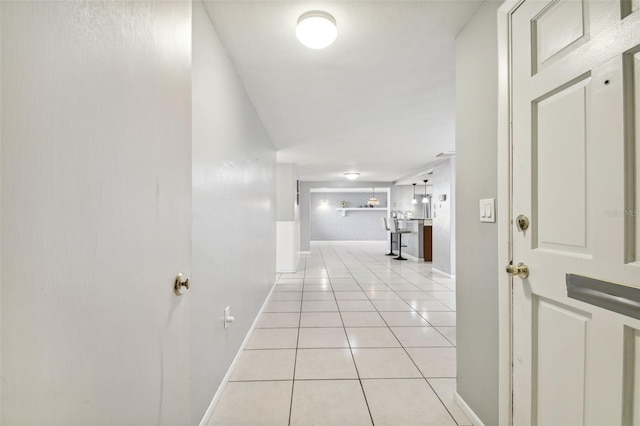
column 353, row 338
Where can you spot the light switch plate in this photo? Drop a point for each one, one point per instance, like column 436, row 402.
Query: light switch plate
column 488, row 210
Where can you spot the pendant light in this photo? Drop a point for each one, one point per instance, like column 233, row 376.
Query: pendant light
column 373, row 201
column 414, row 201
column 424, row 197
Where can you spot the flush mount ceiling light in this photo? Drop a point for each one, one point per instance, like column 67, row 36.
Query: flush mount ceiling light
column 316, row 29
column 352, row 175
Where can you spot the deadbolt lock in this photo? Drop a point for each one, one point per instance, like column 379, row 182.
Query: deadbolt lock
column 522, row 222
column 181, row 285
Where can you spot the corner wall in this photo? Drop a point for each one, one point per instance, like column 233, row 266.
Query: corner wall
column 0, row 218
column 444, row 216
column 234, row 213
column 476, row 178
column 288, row 220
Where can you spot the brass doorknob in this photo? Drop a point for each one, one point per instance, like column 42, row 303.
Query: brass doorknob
column 520, row 270
column 181, row 285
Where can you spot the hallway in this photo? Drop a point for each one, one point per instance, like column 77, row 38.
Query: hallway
column 354, row 337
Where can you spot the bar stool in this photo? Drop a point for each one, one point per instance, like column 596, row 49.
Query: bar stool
column 395, row 230
column 385, row 225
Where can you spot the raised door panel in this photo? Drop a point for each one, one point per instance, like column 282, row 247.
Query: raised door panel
column 560, row 344
column 559, row 154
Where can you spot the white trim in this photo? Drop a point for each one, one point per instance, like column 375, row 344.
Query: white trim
column 216, row 397
column 504, row 214
column 442, row 272
column 305, row 252
column 344, row 210
column 361, row 208
column 351, row 190
column 345, row 242
column 467, row 410
column 412, row 258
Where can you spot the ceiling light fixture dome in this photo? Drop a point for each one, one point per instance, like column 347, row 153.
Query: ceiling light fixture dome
column 316, row 29
column 352, row 175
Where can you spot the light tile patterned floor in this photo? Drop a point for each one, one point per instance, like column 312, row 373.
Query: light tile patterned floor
column 353, row 338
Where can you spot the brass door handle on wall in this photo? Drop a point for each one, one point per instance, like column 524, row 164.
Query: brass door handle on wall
column 520, row 270
column 181, row 285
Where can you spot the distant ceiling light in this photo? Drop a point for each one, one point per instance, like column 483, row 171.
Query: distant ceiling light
column 316, row 29
column 414, row 201
column 352, row 175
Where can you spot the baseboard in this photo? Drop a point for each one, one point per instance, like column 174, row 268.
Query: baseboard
column 286, row 271
column 344, row 242
column 305, row 252
column 467, row 410
column 413, row 258
column 443, row 272
column 216, row 397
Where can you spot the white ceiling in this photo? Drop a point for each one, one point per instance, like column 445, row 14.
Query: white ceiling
column 379, row 101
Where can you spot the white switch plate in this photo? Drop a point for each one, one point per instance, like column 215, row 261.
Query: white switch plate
column 488, row 210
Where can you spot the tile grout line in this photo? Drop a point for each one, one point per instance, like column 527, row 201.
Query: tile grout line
column 423, row 376
column 353, row 359
column 407, row 352
column 295, row 358
column 372, row 269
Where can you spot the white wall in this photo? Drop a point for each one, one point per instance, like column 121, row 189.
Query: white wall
column 329, row 224
column 305, row 203
column 476, row 178
column 401, row 196
column 0, row 217
column 452, row 213
column 288, row 219
column 234, row 212
column 95, row 210
column 287, row 209
column 443, row 217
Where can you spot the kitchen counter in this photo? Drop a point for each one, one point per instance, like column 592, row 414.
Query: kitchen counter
column 415, row 240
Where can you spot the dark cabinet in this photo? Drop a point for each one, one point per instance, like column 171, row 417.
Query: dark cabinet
column 428, row 247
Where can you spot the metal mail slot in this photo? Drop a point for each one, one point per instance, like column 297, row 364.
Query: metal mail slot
column 618, row 298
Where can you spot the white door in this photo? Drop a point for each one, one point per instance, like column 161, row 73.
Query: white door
column 96, row 211
column 575, row 105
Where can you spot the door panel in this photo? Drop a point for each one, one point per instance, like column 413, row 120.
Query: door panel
column 632, row 95
column 96, row 209
column 558, row 29
column 560, row 338
column 570, row 178
column 559, row 145
column 631, row 405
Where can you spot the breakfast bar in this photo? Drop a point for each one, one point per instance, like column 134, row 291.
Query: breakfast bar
column 417, row 244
